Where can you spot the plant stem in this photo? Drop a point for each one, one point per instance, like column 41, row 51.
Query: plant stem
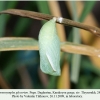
column 60, row 20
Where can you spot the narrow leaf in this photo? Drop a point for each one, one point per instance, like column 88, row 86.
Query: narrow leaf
column 12, row 43
column 76, row 59
column 88, row 6
column 11, row 4
column 2, row 19
column 43, row 7
column 80, row 49
column 21, row 26
column 8, row 44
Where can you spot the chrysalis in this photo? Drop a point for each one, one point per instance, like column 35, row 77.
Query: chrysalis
column 49, row 48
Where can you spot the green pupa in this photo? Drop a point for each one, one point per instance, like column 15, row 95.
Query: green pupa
column 49, row 48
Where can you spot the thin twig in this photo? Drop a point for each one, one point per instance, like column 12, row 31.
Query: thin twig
column 60, row 20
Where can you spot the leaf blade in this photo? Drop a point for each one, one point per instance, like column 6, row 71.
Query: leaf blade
column 87, row 9
column 8, row 44
column 32, row 44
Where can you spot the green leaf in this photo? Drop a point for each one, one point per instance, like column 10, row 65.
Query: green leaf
column 86, row 64
column 13, row 43
column 2, row 19
column 11, row 4
column 96, row 83
column 21, row 26
column 52, row 83
column 8, row 44
column 88, row 6
column 76, row 59
column 83, row 82
column 43, row 8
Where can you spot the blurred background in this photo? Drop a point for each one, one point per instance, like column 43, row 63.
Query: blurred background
column 20, row 69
